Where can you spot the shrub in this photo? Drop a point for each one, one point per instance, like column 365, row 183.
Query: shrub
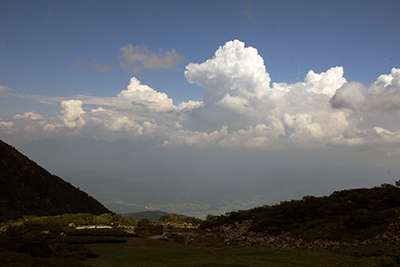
column 147, row 226
column 389, row 259
column 145, row 222
column 36, row 249
column 357, row 222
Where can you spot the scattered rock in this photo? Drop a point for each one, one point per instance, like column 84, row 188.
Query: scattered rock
column 239, row 233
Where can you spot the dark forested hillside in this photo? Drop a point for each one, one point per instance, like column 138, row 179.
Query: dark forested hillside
column 28, row 189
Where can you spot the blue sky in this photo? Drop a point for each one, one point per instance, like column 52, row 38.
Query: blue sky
column 40, row 40
column 289, row 73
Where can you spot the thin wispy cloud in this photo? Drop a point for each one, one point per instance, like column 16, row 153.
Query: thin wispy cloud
column 4, row 88
column 89, row 65
column 137, row 58
column 248, row 11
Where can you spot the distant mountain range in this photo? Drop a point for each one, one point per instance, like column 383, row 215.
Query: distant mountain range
column 28, row 189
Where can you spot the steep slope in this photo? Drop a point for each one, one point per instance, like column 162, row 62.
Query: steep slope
column 28, row 189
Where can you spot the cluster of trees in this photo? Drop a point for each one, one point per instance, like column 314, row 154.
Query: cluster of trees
column 175, row 218
column 146, row 226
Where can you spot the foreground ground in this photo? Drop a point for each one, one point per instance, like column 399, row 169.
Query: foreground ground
column 114, row 247
column 207, row 250
column 357, row 227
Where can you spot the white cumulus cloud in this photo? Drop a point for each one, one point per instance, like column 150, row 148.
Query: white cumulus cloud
column 241, row 108
column 29, row 115
column 382, row 95
column 71, row 113
column 326, row 82
column 6, row 124
column 233, row 70
column 238, row 94
column 139, row 94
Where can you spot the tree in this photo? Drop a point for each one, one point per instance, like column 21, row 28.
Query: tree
column 146, row 225
column 164, row 218
column 192, row 220
column 144, row 222
column 170, row 218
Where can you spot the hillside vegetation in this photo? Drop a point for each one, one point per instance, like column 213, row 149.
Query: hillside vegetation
column 345, row 218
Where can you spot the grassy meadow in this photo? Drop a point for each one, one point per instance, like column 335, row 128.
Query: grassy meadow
column 28, row 245
column 151, row 252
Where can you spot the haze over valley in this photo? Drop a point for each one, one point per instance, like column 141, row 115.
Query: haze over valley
column 201, row 185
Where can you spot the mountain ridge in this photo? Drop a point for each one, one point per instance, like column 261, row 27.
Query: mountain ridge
column 28, row 189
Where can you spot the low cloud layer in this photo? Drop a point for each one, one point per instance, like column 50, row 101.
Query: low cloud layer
column 241, row 108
